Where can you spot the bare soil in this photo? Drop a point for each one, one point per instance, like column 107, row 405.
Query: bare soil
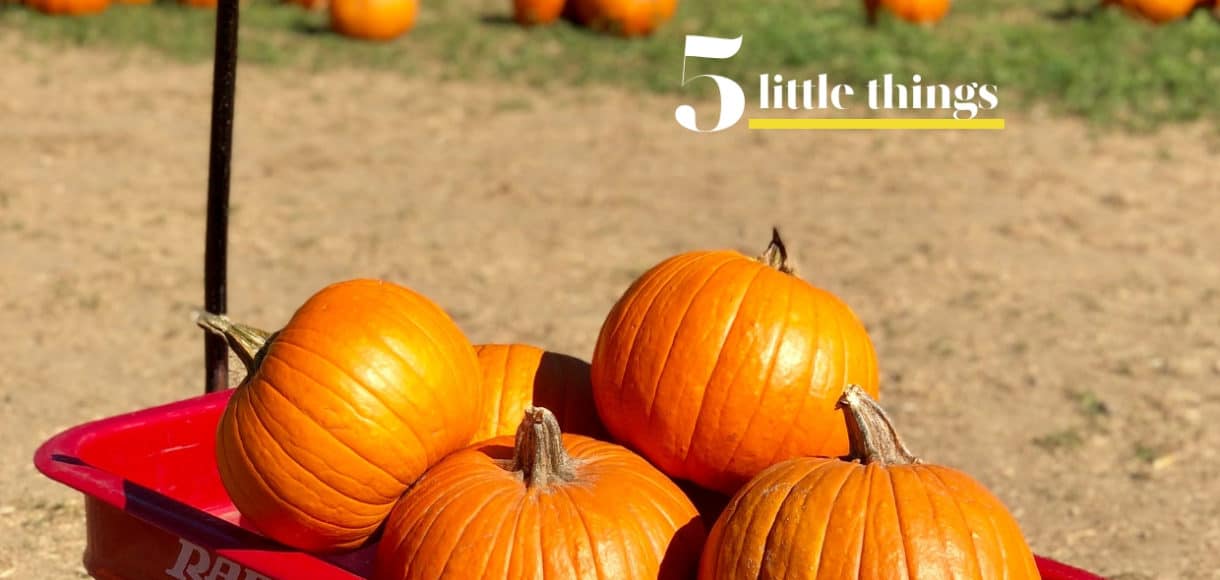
column 1045, row 300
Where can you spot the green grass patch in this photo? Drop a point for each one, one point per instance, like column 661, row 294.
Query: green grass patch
column 1104, row 66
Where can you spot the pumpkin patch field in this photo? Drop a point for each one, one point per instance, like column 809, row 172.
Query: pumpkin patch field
column 492, row 312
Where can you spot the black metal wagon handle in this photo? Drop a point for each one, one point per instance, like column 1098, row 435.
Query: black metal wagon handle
column 215, row 256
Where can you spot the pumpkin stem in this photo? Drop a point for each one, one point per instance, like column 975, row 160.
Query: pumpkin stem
column 870, row 431
column 539, row 454
column 246, row 342
column 776, row 254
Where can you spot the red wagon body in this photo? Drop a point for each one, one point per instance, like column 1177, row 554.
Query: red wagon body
column 155, row 507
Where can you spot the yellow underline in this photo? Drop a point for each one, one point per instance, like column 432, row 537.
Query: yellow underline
column 877, row 124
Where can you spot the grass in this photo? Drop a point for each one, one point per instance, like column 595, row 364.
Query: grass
column 1101, row 65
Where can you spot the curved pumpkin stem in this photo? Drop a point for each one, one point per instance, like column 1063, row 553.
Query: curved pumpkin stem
column 246, row 342
column 870, row 431
column 539, row 455
column 776, row 254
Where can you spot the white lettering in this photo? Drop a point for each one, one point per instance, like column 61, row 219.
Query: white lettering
column 182, row 569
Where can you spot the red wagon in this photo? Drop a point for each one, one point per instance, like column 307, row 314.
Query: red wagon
column 155, row 507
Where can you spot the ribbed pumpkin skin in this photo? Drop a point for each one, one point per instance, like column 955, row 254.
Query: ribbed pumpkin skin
column 516, row 376
column 827, row 519
column 918, row 11
column 714, row 366
column 366, row 386
column 470, row 518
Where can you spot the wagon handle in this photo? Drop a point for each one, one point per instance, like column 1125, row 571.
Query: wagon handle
column 224, row 84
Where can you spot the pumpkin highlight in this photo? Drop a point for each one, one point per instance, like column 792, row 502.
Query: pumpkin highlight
column 888, row 515
column 715, row 365
column 367, row 386
column 541, row 505
column 518, row 376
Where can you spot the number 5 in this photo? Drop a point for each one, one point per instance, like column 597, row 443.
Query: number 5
column 732, row 99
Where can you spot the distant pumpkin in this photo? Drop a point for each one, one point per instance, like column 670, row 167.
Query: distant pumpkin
column 1158, row 11
column 623, row 17
column 537, row 12
column 915, row 11
column 69, row 7
column 378, row 20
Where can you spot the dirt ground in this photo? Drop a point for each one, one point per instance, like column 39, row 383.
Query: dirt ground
column 1045, row 301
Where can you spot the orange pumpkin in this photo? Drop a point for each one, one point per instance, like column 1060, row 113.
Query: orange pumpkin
column 715, row 365
column 69, row 7
column 516, row 376
column 887, row 515
column 535, row 12
column 541, row 505
column 917, row 11
column 1158, row 11
column 623, row 17
column 373, row 19
column 367, row 386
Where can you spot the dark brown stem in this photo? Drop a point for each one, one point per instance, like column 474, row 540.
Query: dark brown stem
column 246, row 342
column 870, row 431
column 776, row 254
column 539, row 454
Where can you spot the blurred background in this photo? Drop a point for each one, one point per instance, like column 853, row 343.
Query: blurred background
column 1045, row 299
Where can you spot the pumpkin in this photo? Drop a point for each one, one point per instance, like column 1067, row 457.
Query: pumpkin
column 517, row 376
column 373, row 19
column 69, row 7
column 1158, row 11
column 623, row 17
column 917, row 11
column 884, row 515
column 535, row 12
column 715, row 365
column 541, row 505
column 367, row 385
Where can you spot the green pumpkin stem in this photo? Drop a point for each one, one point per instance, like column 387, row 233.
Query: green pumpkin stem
column 870, row 431
column 245, row 341
column 776, row 254
column 539, row 455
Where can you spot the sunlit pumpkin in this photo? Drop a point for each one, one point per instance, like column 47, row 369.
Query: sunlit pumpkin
column 715, row 365
column 541, row 505
column 373, row 19
column 367, row 386
column 885, row 515
column 623, row 17
column 517, row 376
